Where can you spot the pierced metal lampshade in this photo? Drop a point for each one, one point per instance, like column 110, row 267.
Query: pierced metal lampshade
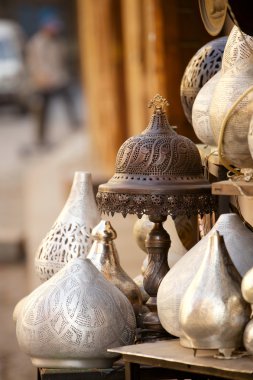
column 157, row 172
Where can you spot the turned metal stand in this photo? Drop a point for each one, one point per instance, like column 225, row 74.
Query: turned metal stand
column 157, row 243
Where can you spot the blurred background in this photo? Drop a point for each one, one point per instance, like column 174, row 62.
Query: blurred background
column 75, row 81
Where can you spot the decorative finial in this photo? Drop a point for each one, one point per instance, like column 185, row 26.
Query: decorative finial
column 158, row 102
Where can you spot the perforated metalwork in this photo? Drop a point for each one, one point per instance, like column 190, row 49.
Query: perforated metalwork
column 61, row 244
column 157, row 172
column 203, row 65
column 75, row 316
column 157, row 204
column 70, row 235
column 236, row 78
column 236, row 49
column 158, row 155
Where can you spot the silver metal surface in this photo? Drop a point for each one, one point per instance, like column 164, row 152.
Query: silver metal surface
column 213, row 313
column 104, row 256
column 239, row 243
column 74, row 317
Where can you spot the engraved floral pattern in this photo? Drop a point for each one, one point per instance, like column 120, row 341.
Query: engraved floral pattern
column 77, row 314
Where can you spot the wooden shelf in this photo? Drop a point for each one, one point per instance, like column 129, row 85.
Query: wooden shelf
column 232, row 188
column 171, row 355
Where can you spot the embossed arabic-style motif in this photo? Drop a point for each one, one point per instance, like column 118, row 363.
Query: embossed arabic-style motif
column 73, row 318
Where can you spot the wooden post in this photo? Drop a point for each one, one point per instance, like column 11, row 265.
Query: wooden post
column 131, row 50
column 102, row 64
column 132, row 17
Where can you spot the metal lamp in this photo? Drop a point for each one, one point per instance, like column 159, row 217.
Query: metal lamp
column 158, row 173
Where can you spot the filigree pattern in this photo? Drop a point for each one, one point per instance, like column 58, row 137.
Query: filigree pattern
column 62, row 243
column 69, row 237
column 157, row 204
column 236, row 78
column 203, row 65
column 92, row 315
column 236, row 49
column 200, row 111
column 172, row 156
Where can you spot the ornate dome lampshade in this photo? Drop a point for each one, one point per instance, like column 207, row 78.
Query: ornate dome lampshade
column 158, row 173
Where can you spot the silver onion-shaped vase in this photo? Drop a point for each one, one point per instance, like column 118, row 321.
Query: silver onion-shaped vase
column 203, row 65
column 236, row 79
column 239, row 243
column 213, row 313
column 104, row 256
column 70, row 235
column 73, row 318
column 200, row 111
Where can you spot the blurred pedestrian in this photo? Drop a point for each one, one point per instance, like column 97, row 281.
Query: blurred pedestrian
column 49, row 74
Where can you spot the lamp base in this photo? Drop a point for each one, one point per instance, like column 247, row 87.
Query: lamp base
column 157, row 243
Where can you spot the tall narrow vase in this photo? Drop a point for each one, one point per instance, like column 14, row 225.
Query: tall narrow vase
column 104, row 256
column 236, row 79
column 70, row 235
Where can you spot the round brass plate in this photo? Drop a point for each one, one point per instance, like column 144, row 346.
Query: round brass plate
column 213, row 13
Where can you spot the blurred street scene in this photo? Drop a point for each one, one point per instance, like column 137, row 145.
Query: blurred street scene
column 19, row 155
column 27, row 147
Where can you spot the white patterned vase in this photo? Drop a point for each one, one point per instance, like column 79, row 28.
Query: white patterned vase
column 236, row 78
column 70, row 235
column 200, row 111
column 73, row 318
column 239, row 244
